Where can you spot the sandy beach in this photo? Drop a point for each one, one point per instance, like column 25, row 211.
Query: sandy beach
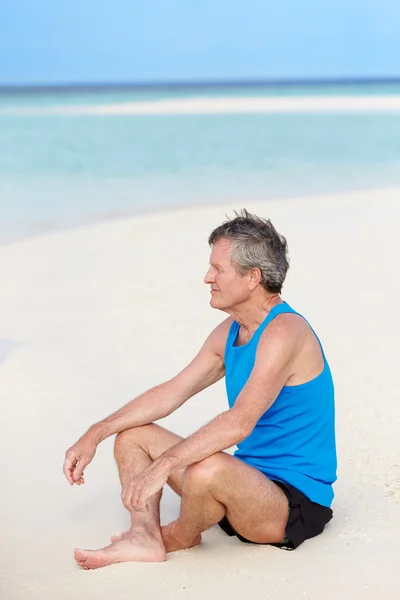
column 91, row 317
column 235, row 105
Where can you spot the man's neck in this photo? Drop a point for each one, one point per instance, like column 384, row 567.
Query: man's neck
column 252, row 313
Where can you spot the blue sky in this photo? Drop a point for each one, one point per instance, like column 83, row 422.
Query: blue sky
column 88, row 41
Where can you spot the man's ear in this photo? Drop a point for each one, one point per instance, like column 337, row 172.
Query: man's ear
column 254, row 276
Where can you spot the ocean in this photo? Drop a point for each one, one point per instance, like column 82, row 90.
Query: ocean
column 62, row 164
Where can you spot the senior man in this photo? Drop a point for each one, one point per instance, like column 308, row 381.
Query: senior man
column 277, row 487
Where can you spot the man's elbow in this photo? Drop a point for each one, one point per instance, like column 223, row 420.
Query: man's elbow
column 244, row 425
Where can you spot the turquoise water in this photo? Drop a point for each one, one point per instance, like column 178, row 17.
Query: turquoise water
column 58, row 170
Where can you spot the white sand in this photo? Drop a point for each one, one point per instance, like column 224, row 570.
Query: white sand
column 233, row 105
column 102, row 313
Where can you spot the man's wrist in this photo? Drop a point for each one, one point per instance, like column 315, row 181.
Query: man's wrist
column 166, row 463
column 97, row 433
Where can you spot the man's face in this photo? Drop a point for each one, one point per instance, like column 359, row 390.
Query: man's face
column 228, row 288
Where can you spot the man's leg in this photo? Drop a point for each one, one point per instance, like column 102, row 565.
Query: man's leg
column 218, row 485
column 224, row 485
column 135, row 450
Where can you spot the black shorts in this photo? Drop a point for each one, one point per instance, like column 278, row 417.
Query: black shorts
column 306, row 519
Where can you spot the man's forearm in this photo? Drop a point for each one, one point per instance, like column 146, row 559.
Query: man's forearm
column 223, row 432
column 156, row 403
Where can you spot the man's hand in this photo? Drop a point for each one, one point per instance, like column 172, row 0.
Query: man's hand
column 141, row 487
column 77, row 459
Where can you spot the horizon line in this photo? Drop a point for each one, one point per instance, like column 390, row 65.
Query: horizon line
column 187, row 85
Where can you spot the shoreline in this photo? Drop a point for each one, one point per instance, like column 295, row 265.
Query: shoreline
column 225, row 105
column 53, row 228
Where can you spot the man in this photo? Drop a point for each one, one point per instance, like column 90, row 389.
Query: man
column 277, row 488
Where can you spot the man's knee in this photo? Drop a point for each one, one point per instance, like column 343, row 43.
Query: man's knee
column 135, row 436
column 202, row 476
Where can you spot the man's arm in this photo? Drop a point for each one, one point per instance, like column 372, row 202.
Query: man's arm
column 271, row 371
column 160, row 401
column 273, row 367
column 204, row 370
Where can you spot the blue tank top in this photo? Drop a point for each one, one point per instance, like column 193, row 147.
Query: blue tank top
column 294, row 440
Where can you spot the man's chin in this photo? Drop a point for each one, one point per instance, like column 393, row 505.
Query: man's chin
column 217, row 305
column 213, row 302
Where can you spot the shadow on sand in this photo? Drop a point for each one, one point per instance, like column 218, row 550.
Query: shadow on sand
column 6, row 347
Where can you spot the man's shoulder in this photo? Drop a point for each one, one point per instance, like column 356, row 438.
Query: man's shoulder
column 219, row 335
column 287, row 323
column 287, row 328
column 222, row 329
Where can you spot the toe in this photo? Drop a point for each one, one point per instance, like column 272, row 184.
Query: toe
column 116, row 537
column 80, row 555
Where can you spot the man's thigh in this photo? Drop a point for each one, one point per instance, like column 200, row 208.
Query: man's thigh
column 255, row 506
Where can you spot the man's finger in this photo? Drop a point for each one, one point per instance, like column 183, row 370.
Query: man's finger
column 140, row 507
column 124, row 499
column 128, row 502
column 80, row 467
column 67, row 469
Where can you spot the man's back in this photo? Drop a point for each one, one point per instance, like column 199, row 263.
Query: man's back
column 294, row 440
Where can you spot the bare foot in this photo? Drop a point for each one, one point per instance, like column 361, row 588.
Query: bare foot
column 173, row 539
column 140, row 546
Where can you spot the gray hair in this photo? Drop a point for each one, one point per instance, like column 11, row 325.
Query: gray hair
column 256, row 244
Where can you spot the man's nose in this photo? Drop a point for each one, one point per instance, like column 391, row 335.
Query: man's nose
column 209, row 276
